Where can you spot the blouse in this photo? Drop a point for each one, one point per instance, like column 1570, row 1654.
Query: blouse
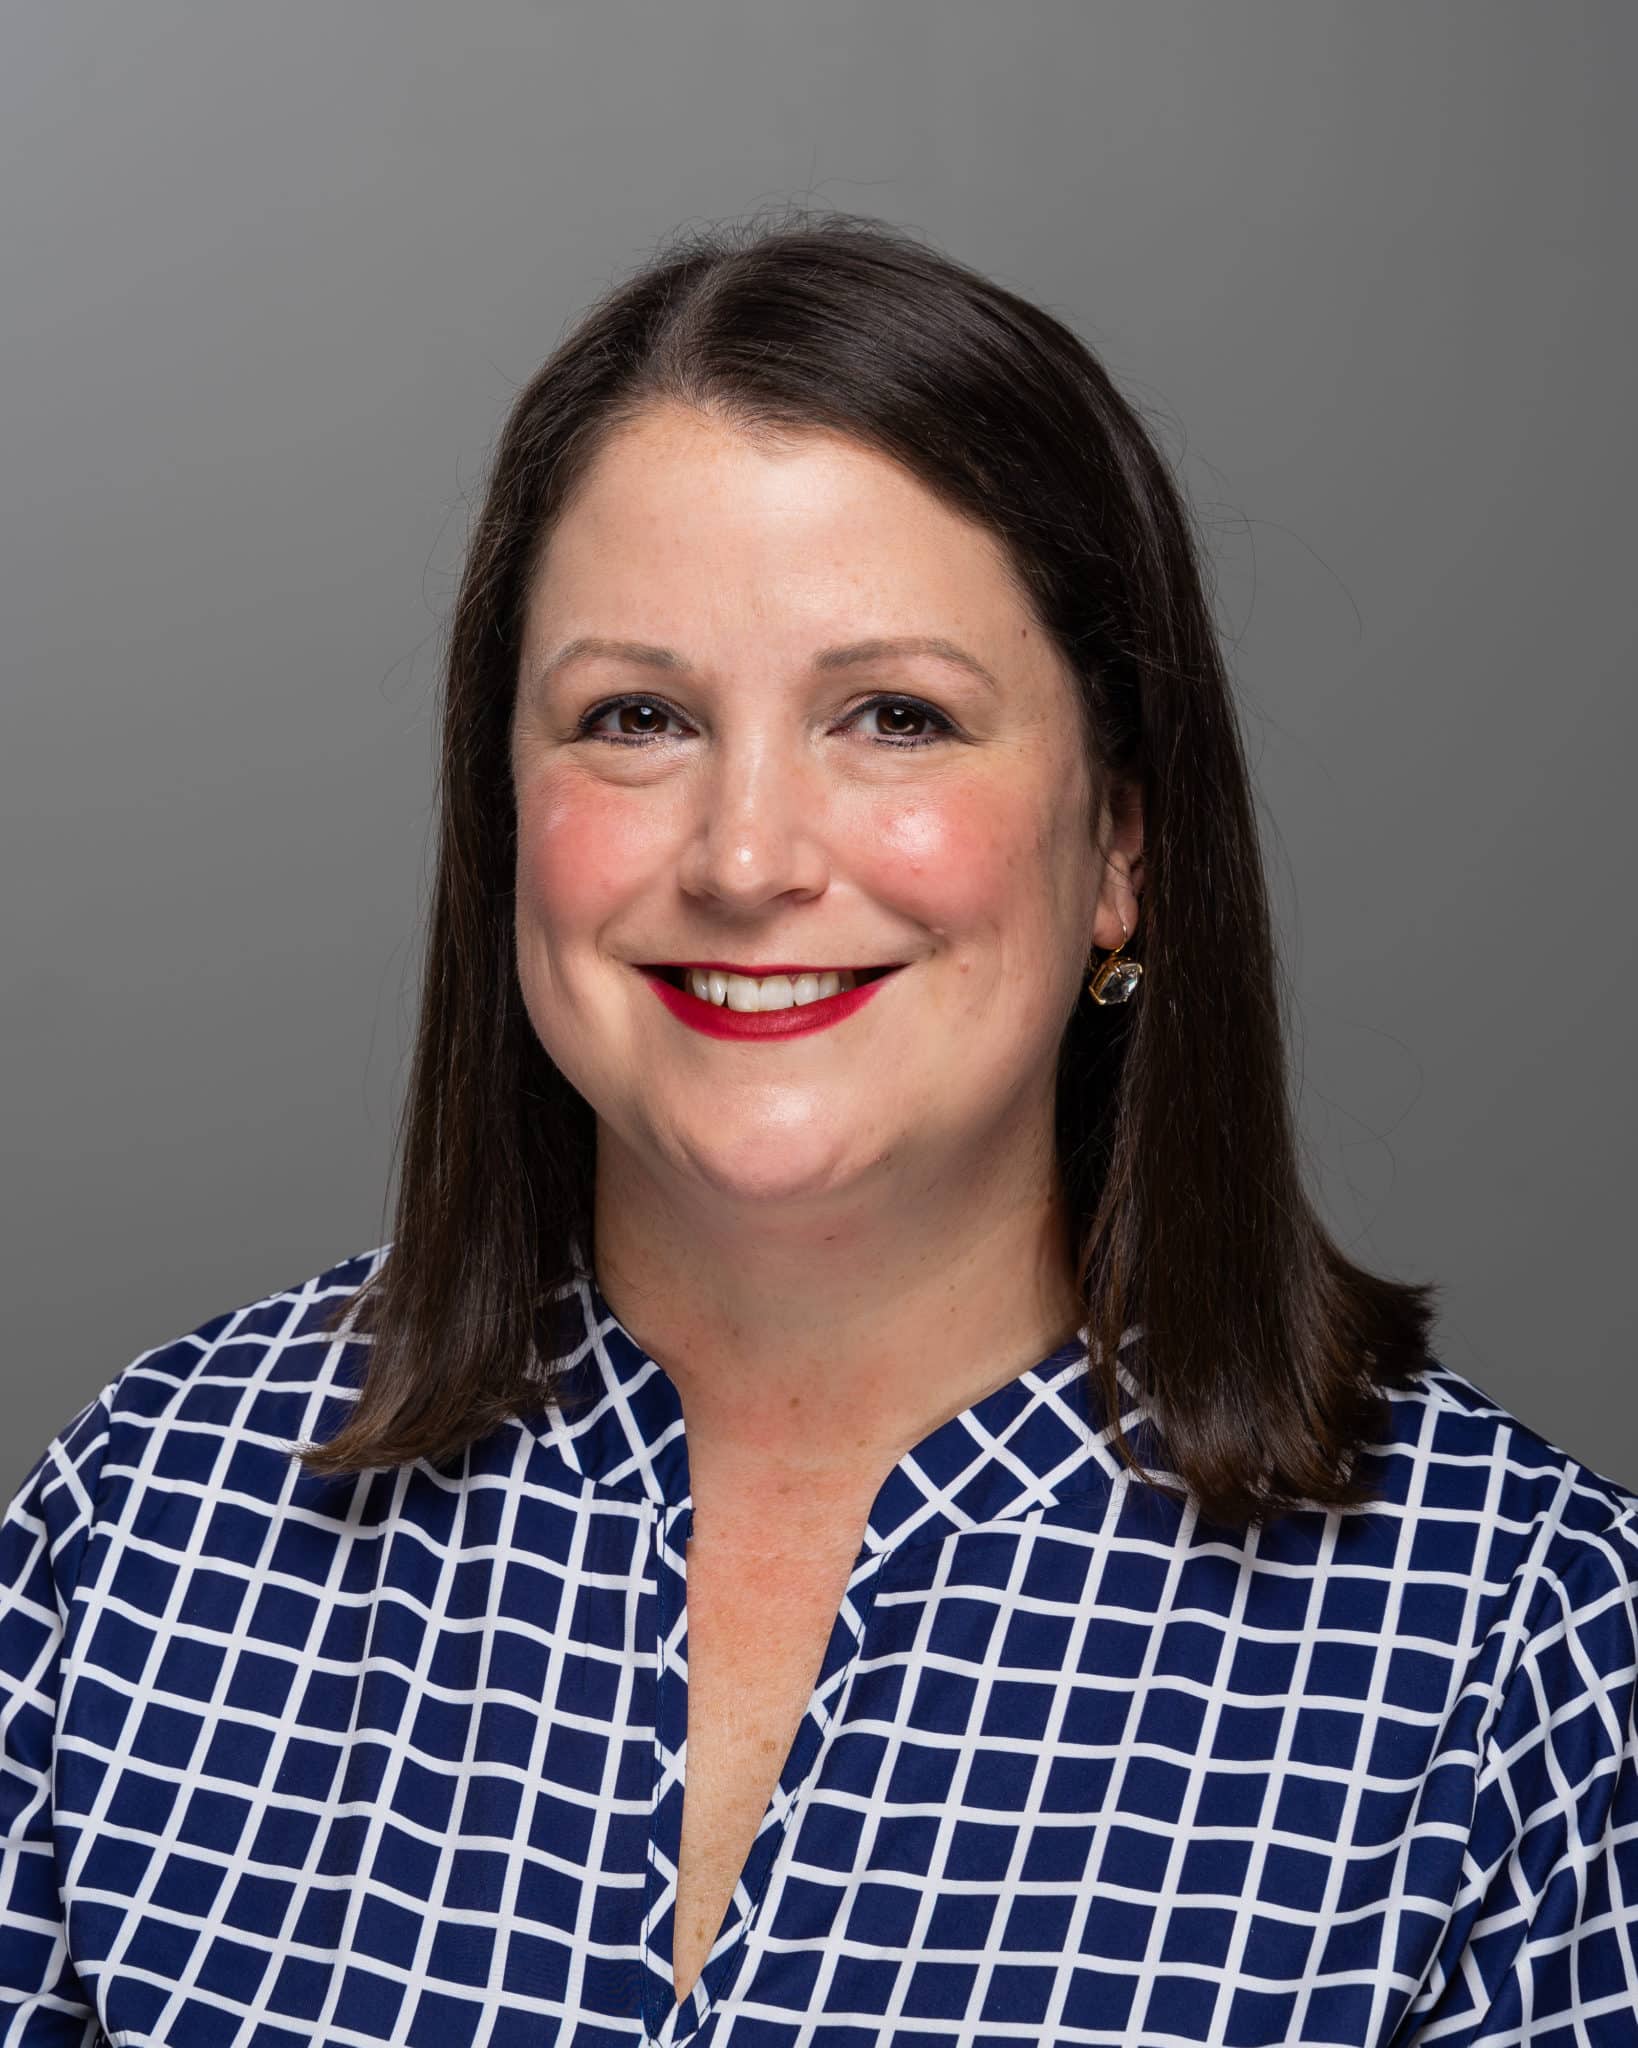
column 401, row 1755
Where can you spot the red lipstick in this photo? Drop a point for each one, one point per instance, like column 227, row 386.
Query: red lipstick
column 717, row 1021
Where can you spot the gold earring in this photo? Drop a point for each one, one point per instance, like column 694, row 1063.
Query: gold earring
column 1116, row 980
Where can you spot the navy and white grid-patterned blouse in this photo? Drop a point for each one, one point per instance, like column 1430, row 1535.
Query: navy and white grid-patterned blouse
column 400, row 1757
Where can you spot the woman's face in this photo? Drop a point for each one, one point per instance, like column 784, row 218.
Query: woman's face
column 754, row 804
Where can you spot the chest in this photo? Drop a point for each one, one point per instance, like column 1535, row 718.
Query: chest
column 759, row 1619
column 1063, row 1787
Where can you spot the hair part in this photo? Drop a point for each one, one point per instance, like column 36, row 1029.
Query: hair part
column 1265, row 1352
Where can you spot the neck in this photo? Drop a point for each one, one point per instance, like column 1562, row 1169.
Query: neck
column 811, row 1350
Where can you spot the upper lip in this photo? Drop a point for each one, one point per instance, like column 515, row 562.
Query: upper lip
column 760, row 973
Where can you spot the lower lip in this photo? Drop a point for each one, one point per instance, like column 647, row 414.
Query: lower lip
column 717, row 1021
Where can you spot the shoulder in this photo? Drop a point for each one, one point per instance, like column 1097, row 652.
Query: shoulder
column 205, row 1409
column 1453, row 1446
column 261, row 1364
column 1477, row 1497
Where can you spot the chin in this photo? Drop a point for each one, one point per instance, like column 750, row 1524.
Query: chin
column 771, row 1167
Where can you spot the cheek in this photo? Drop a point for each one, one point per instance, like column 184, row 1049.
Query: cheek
column 960, row 860
column 579, row 847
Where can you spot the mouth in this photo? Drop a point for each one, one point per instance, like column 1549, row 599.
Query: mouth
column 677, row 976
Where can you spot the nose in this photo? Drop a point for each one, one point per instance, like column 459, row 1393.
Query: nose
column 756, row 831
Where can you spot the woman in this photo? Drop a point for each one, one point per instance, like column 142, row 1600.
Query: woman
column 860, row 1502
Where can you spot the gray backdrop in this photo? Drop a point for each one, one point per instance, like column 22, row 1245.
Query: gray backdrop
column 272, row 277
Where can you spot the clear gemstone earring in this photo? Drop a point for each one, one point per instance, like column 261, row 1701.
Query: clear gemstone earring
column 1116, row 979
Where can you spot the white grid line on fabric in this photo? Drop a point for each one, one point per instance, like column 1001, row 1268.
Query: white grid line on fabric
column 283, row 1944
column 396, row 1756
column 987, row 1678
column 30, row 1690
column 238, row 1862
column 1140, row 2014
column 673, row 1661
column 1504, row 1648
column 1371, row 1707
column 141, row 1698
column 1217, row 1697
column 659, row 1872
column 241, row 1863
column 421, row 1961
column 608, row 1805
column 985, row 1674
column 871, row 1806
column 1439, row 2019
column 643, row 1453
column 1037, row 1489
column 1399, row 1889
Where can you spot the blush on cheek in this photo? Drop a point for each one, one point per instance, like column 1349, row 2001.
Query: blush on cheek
column 948, row 860
column 580, row 849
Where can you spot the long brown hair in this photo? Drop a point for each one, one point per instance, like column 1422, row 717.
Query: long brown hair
column 1264, row 1350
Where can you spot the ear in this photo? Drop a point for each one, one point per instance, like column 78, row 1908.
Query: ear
column 1121, row 844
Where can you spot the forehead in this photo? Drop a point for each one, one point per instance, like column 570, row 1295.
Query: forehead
column 681, row 509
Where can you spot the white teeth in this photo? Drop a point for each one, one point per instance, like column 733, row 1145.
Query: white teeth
column 774, row 992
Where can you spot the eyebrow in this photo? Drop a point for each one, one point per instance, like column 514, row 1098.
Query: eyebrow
column 850, row 655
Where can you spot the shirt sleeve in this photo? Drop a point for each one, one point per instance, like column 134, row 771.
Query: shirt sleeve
column 1543, row 1946
column 43, row 1534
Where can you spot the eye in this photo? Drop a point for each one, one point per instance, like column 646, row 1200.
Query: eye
column 908, row 707
column 652, row 708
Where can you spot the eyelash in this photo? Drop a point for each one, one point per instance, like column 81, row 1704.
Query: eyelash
column 583, row 729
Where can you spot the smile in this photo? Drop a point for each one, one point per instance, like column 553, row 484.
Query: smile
column 763, row 988
column 803, row 999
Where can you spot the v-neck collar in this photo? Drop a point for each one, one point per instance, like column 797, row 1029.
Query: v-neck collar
column 1036, row 1439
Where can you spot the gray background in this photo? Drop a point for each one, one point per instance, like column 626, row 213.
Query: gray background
column 272, row 277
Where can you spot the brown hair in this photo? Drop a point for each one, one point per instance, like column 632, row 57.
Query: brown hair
column 1264, row 1350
